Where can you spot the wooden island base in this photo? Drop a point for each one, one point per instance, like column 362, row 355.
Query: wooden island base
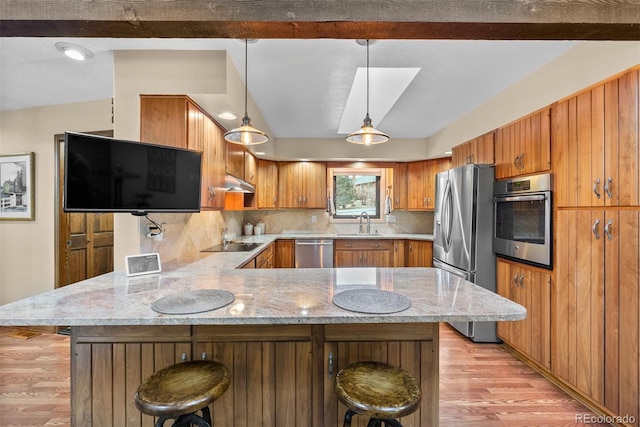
column 282, row 375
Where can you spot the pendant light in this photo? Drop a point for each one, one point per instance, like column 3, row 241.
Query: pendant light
column 246, row 134
column 367, row 135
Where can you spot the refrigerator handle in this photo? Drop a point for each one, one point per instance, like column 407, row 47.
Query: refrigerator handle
column 447, row 213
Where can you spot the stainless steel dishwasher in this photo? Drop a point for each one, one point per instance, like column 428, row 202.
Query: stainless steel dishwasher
column 314, row 253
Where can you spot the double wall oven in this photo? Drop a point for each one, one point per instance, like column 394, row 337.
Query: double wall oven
column 523, row 217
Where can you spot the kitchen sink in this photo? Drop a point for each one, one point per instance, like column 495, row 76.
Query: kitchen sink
column 233, row 247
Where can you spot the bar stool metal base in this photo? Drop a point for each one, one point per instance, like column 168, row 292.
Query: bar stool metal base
column 373, row 422
column 188, row 420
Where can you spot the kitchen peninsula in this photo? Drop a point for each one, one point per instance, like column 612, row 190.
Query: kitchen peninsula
column 282, row 337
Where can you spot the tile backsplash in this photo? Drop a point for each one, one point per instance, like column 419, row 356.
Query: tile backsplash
column 187, row 234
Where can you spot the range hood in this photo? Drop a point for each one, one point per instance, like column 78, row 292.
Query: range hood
column 232, row 183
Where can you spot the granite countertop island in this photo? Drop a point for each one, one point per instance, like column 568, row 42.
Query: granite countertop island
column 282, row 337
column 269, row 296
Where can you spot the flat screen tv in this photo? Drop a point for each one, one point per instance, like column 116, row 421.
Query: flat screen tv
column 113, row 175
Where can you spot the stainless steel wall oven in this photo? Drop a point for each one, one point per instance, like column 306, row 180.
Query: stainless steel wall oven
column 522, row 219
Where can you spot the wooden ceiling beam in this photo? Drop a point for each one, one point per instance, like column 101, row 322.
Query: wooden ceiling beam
column 348, row 19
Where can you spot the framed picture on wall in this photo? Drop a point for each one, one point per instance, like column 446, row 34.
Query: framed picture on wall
column 17, row 189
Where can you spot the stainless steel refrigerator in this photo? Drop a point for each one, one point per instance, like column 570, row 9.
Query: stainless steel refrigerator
column 463, row 224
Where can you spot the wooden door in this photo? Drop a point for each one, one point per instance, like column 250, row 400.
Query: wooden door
column 399, row 189
column 213, row 192
column 578, row 310
column 163, row 120
column 419, row 253
column 348, row 258
column 461, row 155
column 250, row 168
column 504, row 285
column 627, row 164
column 235, row 160
column 285, row 253
column 482, row 149
column 416, row 185
column 287, row 191
column 622, row 302
column 267, row 185
column 314, row 185
column 398, row 253
column 84, row 240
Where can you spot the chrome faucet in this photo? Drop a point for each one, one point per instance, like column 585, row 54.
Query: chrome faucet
column 368, row 223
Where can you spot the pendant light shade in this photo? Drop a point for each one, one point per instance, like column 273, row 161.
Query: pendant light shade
column 367, row 135
column 246, row 134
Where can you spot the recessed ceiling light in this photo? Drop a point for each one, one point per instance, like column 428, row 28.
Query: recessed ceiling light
column 259, row 153
column 448, row 152
column 227, row 116
column 304, row 160
column 74, row 51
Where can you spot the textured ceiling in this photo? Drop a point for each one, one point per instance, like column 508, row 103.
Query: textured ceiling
column 300, row 86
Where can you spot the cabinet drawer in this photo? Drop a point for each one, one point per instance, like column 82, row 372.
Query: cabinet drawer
column 361, row 244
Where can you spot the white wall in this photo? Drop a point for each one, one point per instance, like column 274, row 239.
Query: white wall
column 27, row 248
column 584, row 65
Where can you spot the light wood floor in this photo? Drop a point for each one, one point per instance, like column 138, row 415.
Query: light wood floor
column 480, row 385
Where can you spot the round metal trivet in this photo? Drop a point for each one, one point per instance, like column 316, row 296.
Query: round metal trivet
column 191, row 302
column 372, row 301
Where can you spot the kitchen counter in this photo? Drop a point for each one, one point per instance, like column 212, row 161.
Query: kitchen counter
column 282, row 337
column 237, row 259
column 269, row 296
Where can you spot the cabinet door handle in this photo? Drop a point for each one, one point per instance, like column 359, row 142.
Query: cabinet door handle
column 522, row 161
column 594, row 229
column 515, row 280
column 596, row 188
column 424, row 202
column 375, row 245
column 521, row 281
column 330, row 364
column 607, row 187
column 212, row 193
column 607, row 229
column 348, row 245
column 516, row 162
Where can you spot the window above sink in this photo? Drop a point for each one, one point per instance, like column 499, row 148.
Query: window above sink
column 355, row 191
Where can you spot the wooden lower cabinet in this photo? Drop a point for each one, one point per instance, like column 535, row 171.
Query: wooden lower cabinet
column 596, row 310
column 282, row 375
column 285, row 253
column 419, row 253
column 265, row 259
column 531, row 288
column 362, row 253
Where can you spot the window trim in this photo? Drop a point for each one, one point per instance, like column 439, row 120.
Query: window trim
column 371, row 171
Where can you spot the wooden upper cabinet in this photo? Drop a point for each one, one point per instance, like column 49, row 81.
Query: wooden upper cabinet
column 163, row 120
column 177, row 121
column 595, row 146
column 250, row 168
column 421, row 182
column 302, row 185
column 399, row 189
column 235, row 160
column 267, row 184
column 524, row 147
column 479, row 150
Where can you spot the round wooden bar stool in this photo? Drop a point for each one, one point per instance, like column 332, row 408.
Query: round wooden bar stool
column 377, row 390
column 180, row 390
